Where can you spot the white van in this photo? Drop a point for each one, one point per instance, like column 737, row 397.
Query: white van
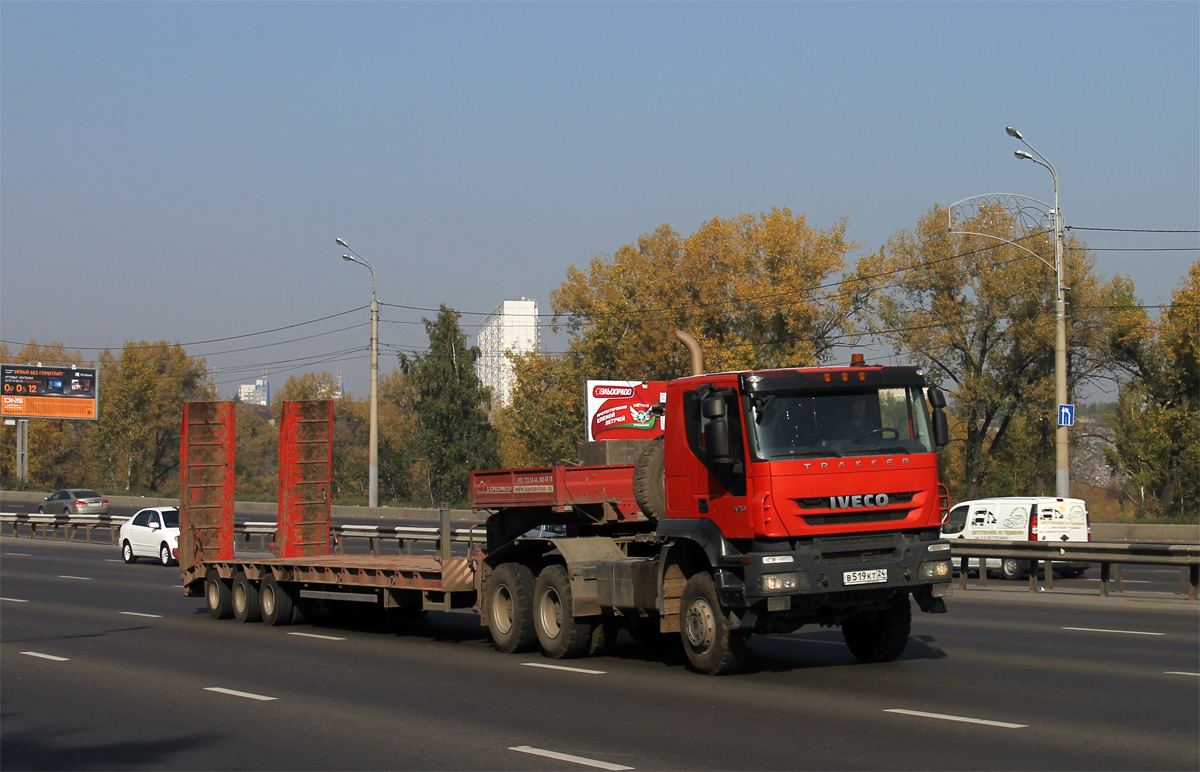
column 1019, row 518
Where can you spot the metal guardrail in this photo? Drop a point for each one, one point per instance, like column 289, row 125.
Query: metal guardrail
column 1108, row 555
column 49, row 526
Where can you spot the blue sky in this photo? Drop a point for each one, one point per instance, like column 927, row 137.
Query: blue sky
column 180, row 170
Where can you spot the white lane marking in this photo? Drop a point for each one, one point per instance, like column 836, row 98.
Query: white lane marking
column 81, row 578
column 568, row 669
column 1181, row 672
column 568, row 757
column 233, row 693
column 1100, row 630
column 322, row 637
column 45, row 656
column 113, row 560
column 14, row 600
column 19, row 554
column 137, row 614
column 963, row 719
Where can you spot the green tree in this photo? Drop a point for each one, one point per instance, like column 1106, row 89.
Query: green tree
column 979, row 316
column 257, row 453
column 135, row 440
column 1158, row 412
column 452, row 436
column 351, row 431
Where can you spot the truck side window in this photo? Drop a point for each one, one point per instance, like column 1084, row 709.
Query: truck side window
column 958, row 520
column 731, row 476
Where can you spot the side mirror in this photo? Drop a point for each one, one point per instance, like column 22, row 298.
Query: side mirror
column 716, row 430
column 937, row 398
column 154, row 526
column 941, row 427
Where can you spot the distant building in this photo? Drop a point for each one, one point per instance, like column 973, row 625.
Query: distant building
column 257, row 393
column 512, row 327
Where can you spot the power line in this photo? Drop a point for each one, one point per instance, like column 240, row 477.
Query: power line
column 1125, row 230
column 1133, row 249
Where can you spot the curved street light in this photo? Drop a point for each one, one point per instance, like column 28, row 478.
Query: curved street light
column 1062, row 477
column 373, row 485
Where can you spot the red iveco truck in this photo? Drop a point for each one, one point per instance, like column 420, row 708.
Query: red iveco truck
column 774, row 499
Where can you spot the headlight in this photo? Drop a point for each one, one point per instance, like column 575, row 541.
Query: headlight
column 935, row 569
column 795, row 580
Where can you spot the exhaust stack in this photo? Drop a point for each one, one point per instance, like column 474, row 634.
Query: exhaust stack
column 694, row 350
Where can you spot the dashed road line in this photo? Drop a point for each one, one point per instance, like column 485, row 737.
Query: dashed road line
column 1180, row 672
column 322, row 637
column 81, row 578
column 19, row 554
column 50, row 657
column 139, row 614
column 1101, row 630
column 568, row 757
column 14, row 600
column 568, row 669
column 233, row 693
column 961, row 719
column 113, row 560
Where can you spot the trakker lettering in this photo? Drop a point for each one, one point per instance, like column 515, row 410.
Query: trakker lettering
column 859, row 502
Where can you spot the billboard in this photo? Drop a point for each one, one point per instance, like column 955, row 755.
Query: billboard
column 620, row 410
column 57, row 391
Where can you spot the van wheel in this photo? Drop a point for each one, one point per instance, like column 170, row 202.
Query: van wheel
column 245, row 600
column 277, row 606
column 561, row 635
column 880, row 637
column 510, row 608
column 649, row 484
column 217, row 595
column 1010, row 568
column 710, row 645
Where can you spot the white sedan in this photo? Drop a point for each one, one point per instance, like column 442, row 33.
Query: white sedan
column 152, row 533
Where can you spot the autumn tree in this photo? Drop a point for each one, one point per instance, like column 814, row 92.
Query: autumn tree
column 135, row 440
column 1157, row 420
column 978, row 314
column 544, row 422
column 452, row 436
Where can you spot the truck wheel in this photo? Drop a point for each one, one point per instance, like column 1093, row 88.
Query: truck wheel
column 217, row 595
column 127, row 552
column 649, row 486
column 1010, row 568
column 881, row 637
column 510, row 608
column 561, row 635
column 245, row 600
column 277, row 606
column 710, row 645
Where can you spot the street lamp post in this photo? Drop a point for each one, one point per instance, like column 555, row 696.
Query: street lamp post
column 1062, row 476
column 373, row 489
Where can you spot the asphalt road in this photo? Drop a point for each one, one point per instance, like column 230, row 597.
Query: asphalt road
column 104, row 665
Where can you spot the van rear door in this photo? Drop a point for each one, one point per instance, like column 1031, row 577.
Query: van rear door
column 1062, row 520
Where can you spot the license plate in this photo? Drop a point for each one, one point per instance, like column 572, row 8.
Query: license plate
column 874, row 576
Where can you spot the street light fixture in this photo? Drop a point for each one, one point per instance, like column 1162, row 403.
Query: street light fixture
column 373, row 486
column 1062, row 477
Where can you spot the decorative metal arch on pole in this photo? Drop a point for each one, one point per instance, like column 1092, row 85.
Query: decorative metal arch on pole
column 1031, row 217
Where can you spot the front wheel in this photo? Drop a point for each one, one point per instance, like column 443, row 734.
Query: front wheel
column 510, row 608
column 164, row 555
column 879, row 637
column 245, row 600
column 127, row 552
column 560, row 634
column 711, row 646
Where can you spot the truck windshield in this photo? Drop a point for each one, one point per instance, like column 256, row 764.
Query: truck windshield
column 850, row 423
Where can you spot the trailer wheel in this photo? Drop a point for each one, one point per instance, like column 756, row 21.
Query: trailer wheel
column 510, row 608
column 245, row 600
column 710, row 645
column 649, row 486
column 880, row 637
column 561, row 635
column 217, row 595
column 277, row 605
column 127, row 552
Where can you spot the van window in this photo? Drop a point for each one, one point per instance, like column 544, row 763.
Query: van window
column 958, row 521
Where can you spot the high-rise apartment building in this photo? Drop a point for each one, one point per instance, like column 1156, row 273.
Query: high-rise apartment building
column 512, row 327
column 257, row 393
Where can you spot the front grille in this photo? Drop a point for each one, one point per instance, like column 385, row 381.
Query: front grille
column 822, row 502
column 851, row 518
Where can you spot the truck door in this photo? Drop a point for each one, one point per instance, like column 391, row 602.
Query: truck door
column 711, row 489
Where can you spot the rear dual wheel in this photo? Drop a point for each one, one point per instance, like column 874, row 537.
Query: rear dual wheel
column 246, row 606
column 560, row 633
column 218, row 596
column 510, row 608
column 278, row 607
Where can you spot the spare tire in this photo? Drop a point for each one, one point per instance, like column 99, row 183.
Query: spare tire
column 649, row 483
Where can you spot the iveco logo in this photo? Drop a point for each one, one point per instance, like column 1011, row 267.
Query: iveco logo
column 859, row 502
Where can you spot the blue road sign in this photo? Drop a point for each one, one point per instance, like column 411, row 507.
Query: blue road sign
column 1066, row 415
